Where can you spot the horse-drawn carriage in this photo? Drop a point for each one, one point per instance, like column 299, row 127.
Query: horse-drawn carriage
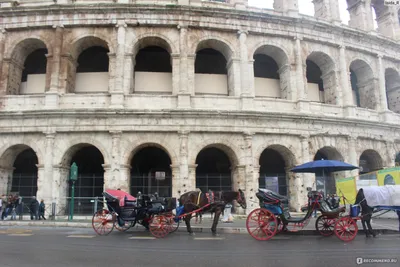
column 272, row 218
column 125, row 211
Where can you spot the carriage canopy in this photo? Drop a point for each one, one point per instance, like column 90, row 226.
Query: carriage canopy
column 120, row 195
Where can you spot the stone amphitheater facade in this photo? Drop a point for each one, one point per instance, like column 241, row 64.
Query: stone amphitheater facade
column 236, row 112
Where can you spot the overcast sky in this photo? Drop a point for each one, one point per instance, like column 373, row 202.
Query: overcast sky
column 305, row 7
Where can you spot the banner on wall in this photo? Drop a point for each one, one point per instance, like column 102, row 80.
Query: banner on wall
column 389, row 176
column 347, row 187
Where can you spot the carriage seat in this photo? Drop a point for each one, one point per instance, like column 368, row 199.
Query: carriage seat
column 130, row 203
column 333, row 213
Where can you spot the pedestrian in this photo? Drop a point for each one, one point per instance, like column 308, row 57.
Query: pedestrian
column 34, row 205
column 42, row 208
column 366, row 213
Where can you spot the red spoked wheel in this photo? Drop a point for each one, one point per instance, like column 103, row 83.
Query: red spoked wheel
column 346, row 229
column 125, row 227
column 103, row 222
column 261, row 224
column 325, row 226
column 159, row 226
column 173, row 222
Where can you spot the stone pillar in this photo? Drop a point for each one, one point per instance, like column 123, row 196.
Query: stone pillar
column 191, row 75
column 308, row 178
column 251, row 183
column 129, row 75
column 42, row 184
column 239, row 182
column 287, row 91
column 191, row 184
column 185, row 88
column 184, row 167
column 175, row 62
column 5, row 180
column 361, row 15
column 391, row 154
column 115, row 178
column 60, row 187
column 176, row 181
column 67, row 74
column 252, row 89
column 247, row 97
column 296, row 190
column 3, row 78
column 388, row 21
column 327, row 10
column 287, row 7
column 11, row 76
column 352, row 150
column 116, row 68
column 383, row 105
column 345, row 83
column 233, row 67
column 45, row 190
column 301, row 82
column 125, row 177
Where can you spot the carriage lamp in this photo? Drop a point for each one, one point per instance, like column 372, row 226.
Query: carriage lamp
column 73, row 177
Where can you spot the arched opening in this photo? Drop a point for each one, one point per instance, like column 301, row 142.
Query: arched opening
column 370, row 161
column 379, row 9
column 88, row 67
column 213, row 75
column 271, row 79
column 392, row 81
column 214, row 170
column 92, row 70
column 90, row 183
column 325, row 181
column 321, row 78
column 25, row 175
column 363, row 85
column 151, row 172
column 28, row 68
column 273, row 172
column 153, row 71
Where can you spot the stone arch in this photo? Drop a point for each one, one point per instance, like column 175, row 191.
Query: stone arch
column 19, row 174
column 229, row 149
column 148, row 76
column 276, row 161
column 79, row 46
column 363, row 84
column 392, row 82
column 213, row 67
column 279, row 53
column 370, row 160
column 275, row 61
column 143, row 175
column 8, row 152
column 327, row 82
column 153, row 39
column 17, row 58
column 329, row 153
column 130, row 153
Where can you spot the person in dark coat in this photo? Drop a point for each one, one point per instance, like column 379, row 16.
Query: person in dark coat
column 42, row 208
column 366, row 213
column 34, row 206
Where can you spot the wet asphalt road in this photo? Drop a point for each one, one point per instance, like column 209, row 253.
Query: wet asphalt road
column 61, row 247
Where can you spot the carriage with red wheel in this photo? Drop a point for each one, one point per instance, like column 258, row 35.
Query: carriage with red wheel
column 272, row 218
column 125, row 211
column 379, row 198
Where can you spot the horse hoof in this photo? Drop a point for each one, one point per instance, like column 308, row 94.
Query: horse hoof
column 215, row 235
column 192, row 234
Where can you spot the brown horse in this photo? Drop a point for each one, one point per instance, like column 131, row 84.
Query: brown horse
column 215, row 203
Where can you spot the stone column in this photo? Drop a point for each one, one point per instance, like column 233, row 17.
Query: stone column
column 239, row 182
column 251, row 182
column 308, row 178
column 287, row 92
column 175, row 62
column 247, row 97
column 11, row 76
column 296, row 190
column 5, row 179
column 125, row 177
column 301, row 82
column 361, row 15
column 60, row 187
column 391, row 154
column 129, row 76
column 45, row 190
column 383, row 105
column 252, row 88
column 388, row 21
column 109, row 183
column 67, row 74
column 287, row 7
column 352, row 150
column 116, row 178
column 345, row 83
column 233, row 67
column 176, row 181
column 191, row 78
column 184, row 167
column 3, row 69
column 186, row 77
column 191, row 184
column 116, row 68
column 327, row 10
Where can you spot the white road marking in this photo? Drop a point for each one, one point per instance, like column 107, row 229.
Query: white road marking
column 209, row 238
column 81, row 236
column 142, row 237
column 20, row 234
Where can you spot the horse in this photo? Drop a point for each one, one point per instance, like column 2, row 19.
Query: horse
column 366, row 212
column 212, row 202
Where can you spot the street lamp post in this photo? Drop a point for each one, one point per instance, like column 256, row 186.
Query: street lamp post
column 73, row 177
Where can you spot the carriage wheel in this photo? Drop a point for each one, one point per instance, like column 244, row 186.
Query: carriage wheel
column 325, row 226
column 125, row 227
column 159, row 226
column 103, row 222
column 346, row 229
column 261, row 224
column 173, row 224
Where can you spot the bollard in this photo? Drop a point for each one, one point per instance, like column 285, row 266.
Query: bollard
column 53, row 211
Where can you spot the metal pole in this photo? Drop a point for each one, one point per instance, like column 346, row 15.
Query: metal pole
column 96, row 200
column 72, row 201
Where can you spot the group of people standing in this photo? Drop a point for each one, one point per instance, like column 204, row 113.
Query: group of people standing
column 12, row 205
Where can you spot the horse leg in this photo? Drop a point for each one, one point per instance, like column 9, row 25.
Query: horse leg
column 217, row 213
column 187, row 222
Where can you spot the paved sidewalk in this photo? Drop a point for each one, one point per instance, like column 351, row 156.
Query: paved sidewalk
column 381, row 225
